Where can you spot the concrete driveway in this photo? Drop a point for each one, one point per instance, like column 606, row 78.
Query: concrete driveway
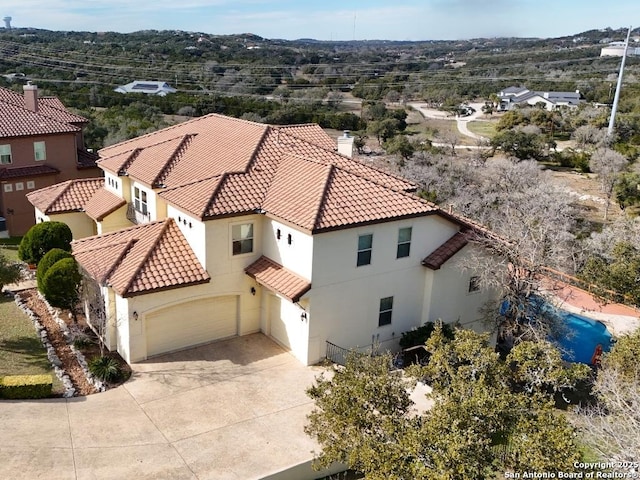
column 228, row 410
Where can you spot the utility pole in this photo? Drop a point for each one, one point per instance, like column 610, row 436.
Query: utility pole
column 616, row 98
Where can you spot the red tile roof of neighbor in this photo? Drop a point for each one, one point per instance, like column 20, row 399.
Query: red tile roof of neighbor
column 16, row 120
column 145, row 258
column 69, row 196
column 277, row 278
column 444, row 252
column 102, row 203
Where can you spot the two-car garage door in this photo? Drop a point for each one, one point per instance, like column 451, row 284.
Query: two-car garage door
column 191, row 323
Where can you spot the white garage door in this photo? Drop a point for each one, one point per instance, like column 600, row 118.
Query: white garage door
column 191, row 323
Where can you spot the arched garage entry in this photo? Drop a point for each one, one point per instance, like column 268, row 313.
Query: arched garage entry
column 191, row 323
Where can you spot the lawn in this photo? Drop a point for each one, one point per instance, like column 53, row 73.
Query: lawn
column 21, row 352
column 485, row 129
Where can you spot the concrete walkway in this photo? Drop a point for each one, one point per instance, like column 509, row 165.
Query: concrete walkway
column 228, row 410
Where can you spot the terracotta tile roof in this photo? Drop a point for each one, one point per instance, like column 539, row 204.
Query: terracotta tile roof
column 18, row 121
column 217, row 145
column 444, row 252
column 142, row 259
column 69, row 196
column 33, row 171
column 102, row 203
column 311, row 133
column 275, row 277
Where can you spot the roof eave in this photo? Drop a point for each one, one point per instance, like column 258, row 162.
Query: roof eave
column 162, row 289
column 373, row 222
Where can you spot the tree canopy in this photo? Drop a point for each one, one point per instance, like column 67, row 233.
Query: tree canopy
column 41, row 238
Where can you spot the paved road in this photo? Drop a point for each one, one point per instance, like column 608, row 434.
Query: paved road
column 461, row 121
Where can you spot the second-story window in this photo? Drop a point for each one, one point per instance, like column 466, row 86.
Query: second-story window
column 365, row 245
column 39, row 151
column 140, row 200
column 242, row 238
column 5, row 154
column 404, row 242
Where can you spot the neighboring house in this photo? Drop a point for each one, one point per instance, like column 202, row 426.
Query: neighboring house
column 616, row 49
column 519, row 96
column 238, row 227
column 146, row 86
column 41, row 144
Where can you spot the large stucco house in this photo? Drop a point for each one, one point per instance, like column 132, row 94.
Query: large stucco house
column 512, row 97
column 41, row 144
column 219, row 227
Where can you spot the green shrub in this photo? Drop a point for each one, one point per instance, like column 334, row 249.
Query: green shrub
column 41, row 238
column 10, row 272
column 25, row 386
column 61, row 284
column 105, row 368
column 49, row 259
column 82, row 341
column 420, row 335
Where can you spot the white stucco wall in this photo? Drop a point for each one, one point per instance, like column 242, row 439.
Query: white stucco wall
column 345, row 299
column 297, row 256
column 156, row 207
column 447, row 295
column 114, row 183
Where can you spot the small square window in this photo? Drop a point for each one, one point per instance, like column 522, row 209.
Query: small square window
column 365, row 246
column 19, row 186
column 31, row 185
column 39, row 151
column 404, row 242
column 386, row 308
column 474, row 284
column 8, row 187
column 242, row 238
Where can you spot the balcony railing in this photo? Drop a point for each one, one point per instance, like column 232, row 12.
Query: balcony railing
column 136, row 216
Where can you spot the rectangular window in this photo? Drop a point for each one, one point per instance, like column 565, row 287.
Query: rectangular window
column 365, row 244
column 31, row 185
column 386, row 307
column 404, row 242
column 140, row 200
column 242, row 238
column 8, row 187
column 39, row 151
column 474, row 284
column 5, row 154
column 19, row 186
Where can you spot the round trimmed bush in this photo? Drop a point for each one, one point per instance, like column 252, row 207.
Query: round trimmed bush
column 41, row 238
column 61, row 283
column 50, row 258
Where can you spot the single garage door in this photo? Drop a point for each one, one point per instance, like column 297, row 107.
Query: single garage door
column 191, row 323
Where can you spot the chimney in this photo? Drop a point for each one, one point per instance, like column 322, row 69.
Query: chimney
column 31, row 97
column 345, row 144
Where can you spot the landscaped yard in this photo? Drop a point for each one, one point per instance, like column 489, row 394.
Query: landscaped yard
column 21, row 352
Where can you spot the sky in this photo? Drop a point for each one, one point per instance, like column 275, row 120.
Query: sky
column 330, row 19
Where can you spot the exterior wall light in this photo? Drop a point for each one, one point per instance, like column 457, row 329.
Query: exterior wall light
column 135, row 316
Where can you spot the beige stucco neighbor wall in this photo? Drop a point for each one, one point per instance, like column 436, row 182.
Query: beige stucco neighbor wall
column 116, row 220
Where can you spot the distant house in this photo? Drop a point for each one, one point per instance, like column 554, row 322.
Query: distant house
column 149, row 87
column 519, row 96
column 616, row 49
column 41, row 144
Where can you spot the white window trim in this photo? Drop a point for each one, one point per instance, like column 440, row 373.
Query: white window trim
column 5, row 151
column 19, row 186
column 44, row 151
column 8, row 187
column 31, row 184
column 140, row 205
column 390, row 311
column 253, row 238
column 410, row 228
column 370, row 250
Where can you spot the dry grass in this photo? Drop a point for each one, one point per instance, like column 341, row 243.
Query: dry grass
column 485, row 129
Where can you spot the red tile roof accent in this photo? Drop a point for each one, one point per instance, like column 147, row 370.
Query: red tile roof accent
column 310, row 133
column 69, row 196
column 444, row 252
column 18, row 121
column 142, row 259
column 34, row 171
column 102, row 203
column 275, row 277
column 219, row 145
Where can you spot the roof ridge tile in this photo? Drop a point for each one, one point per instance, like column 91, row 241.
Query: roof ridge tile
column 323, row 196
column 173, row 159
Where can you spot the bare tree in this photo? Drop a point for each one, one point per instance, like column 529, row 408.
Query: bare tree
column 607, row 164
column 450, row 138
column 589, row 137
